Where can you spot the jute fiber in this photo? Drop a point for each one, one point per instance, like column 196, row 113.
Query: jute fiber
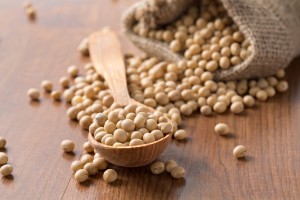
column 272, row 27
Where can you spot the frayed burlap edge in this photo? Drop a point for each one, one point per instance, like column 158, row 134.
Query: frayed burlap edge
column 150, row 46
column 267, row 33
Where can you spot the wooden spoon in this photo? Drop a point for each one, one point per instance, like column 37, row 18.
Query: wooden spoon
column 107, row 58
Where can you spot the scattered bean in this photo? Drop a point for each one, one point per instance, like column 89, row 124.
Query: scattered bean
column 56, row 95
column 2, row 142
column 47, row 85
column 67, row 146
column 157, row 167
column 6, row 170
column 178, row 172
column 170, row 164
column 33, row 94
column 180, row 134
column 81, row 175
column 239, row 151
column 110, row 175
column 3, row 158
column 76, row 165
column 222, row 129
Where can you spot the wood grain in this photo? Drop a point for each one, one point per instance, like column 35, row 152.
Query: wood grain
column 107, row 57
column 33, row 51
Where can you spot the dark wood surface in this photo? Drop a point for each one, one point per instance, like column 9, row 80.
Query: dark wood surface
column 33, row 51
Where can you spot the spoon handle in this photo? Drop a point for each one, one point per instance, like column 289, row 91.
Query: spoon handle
column 107, row 57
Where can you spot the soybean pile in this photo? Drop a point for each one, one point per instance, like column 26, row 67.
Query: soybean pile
column 208, row 41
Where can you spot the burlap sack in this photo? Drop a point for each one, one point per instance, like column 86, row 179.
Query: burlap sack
column 272, row 27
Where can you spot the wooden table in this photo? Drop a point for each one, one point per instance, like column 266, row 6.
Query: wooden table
column 33, row 51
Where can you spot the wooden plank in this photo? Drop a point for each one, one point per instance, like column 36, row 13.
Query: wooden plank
column 31, row 52
column 269, row 171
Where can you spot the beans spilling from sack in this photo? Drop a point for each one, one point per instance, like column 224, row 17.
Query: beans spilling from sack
column 204, row 34
column 208, row 40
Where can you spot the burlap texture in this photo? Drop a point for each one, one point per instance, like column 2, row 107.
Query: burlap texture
column 272, row 27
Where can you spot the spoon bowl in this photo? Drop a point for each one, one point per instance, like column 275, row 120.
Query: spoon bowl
column 107, row 58
column 131, row 156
